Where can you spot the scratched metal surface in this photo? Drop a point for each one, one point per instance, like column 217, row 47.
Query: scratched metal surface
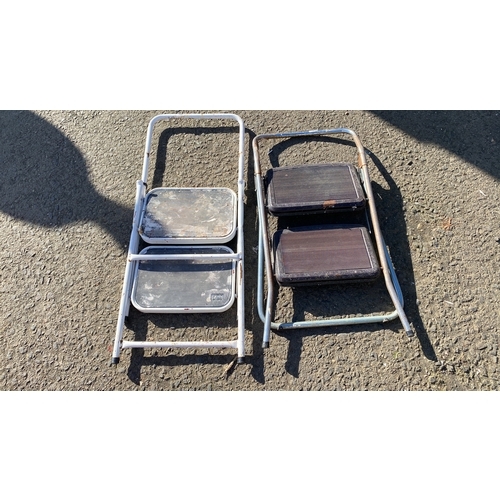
column 173, row 214
column 184, row 284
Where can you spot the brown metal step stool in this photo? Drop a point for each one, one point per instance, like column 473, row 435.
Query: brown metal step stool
column 326, row 253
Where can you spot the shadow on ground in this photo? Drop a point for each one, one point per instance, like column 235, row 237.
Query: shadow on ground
column 472, row 135
column 45, row 179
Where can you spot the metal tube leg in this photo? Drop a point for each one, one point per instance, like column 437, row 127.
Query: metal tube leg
column 399, row 294
column 129, row 270
column 122, row 314
column 264, row 262
column 270, row 293
column 241, row 312
column 267, row 326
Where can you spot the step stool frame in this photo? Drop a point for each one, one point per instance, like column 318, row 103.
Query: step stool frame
column 134, row 257
column 265, row 270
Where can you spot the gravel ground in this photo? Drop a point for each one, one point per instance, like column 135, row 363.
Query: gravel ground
column 66, row 208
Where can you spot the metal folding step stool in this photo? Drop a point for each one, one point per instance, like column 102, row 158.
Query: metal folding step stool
column 187, row 267
column 331, row 252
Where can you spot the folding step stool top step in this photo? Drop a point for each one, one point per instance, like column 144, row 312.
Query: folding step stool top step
column 324, row 254
column 313, row 189
column 189, row 216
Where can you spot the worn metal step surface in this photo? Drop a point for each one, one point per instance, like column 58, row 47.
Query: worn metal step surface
column 183, row 286
column 324, row 254
column 313, row 189
column 189, row 216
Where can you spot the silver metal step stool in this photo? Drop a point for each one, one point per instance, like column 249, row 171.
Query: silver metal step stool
column 187, row 267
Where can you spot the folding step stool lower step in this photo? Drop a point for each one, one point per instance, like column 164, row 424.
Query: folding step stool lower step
column 185, row 285
column 324, row 254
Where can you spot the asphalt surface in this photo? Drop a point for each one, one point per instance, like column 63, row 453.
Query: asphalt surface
column 66, row 206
